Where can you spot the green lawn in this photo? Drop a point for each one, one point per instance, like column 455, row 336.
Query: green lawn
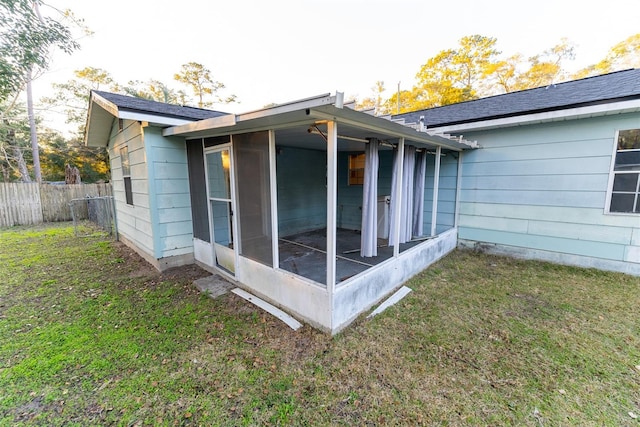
column 90, row 335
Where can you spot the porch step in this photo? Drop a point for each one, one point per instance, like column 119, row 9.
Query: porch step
column 290, row 321
column 214, row 286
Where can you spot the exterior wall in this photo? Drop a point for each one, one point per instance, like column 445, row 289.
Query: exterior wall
column 445, row 219
column 158, row 224
column 350, row 196
column 361, row 292
column 540, row 191
column 302, row 192
column 169, row 195
column 134, row 221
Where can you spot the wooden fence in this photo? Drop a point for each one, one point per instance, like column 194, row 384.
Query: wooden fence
column 24, row 204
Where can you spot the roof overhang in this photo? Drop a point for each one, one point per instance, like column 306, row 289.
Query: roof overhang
column 311, row 111
column 101, row 114
column 612, row 108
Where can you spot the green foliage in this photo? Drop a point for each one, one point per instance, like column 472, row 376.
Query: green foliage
column 25, row 42
column 198, row 78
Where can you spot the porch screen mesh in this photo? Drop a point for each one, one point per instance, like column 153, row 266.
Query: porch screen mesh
column 254, row 196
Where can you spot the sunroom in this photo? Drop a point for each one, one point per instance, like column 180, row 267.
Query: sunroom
column 320, row 209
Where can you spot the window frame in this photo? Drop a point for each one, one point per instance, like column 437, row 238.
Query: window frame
column 350, row 169
column 612, row 176
column 125, row 163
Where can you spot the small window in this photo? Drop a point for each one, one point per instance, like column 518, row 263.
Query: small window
column 356, row 169
column 625, row 188
column 126, row 174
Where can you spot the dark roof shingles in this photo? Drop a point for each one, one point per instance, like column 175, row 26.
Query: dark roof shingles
column 130, row 103
column 588, row 91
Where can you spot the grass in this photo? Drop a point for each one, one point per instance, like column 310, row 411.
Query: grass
column 90, row 335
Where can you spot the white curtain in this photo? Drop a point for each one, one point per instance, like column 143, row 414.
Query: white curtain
column 369, row 232
column 406, row 213
column 406, row 204
column 418, row 201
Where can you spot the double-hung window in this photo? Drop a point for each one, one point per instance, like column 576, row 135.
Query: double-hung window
column 625, row 185
column 126, row 174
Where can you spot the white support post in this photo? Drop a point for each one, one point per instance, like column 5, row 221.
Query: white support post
column 456, row 216
column 397, row 203
column 436, row 184
column 274, row 199
column 332, row 189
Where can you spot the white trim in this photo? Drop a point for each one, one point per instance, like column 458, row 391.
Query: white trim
column 273, row 189
column 436, row 188
column 332, row 186
column 607, row 203
column 456, row 214
column 152, row 118
column 550, row 116
column 393, row 299
column 397, row 204
column 290, row 321
column 232, row 120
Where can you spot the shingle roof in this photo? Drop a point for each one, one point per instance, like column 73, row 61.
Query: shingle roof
column 130, row 103
column 617, row 86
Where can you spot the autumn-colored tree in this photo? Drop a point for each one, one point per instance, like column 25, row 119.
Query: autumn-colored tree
column 453, row 74
column 623, row 55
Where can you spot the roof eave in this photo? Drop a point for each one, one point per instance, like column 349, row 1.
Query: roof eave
column 575, row 113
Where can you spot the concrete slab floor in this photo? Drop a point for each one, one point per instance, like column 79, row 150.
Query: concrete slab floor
column 214, row 286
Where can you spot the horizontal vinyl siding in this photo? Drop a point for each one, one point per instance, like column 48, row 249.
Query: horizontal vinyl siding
column 302, row 192
column 543, row 187
column 134, row 222
column 446, row 193
column 171, row 201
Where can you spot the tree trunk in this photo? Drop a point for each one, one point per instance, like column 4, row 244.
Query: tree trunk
column 22, row 165
column 32, row 129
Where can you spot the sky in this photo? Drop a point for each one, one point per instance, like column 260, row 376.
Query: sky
column 275, row 51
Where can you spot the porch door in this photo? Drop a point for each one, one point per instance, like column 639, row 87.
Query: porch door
column 221, row 207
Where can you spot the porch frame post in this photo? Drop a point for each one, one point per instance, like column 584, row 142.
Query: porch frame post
column 397, row 204
column 274, row 199
column 436, row 184
column 332, row 201
column 456, row 215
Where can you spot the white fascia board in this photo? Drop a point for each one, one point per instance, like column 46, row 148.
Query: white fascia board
column 393, row 129
column 231, row 120
column 152, row 118
column 549, row 116
column 200, row 125
column 107, row 105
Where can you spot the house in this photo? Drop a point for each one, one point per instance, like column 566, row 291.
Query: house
column 323, row 210
column 557, row 177
column 313, row 206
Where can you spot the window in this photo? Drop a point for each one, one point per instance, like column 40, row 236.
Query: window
column 625, row 188
column 126, row 174
column 356, row 169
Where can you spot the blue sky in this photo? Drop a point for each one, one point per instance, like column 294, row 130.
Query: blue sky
column 282, row 50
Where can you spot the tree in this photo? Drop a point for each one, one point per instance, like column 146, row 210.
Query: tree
column 73, row 96
column 546, row 68
column 375, row 103
column 198, row 78
column 623, row 55
column 14, row 143
column 453, row 74
column 27, row 39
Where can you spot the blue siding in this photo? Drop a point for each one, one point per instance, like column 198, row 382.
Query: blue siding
column 350, row 196
column 544, row 187
column 170, row 203
column 302, row 193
